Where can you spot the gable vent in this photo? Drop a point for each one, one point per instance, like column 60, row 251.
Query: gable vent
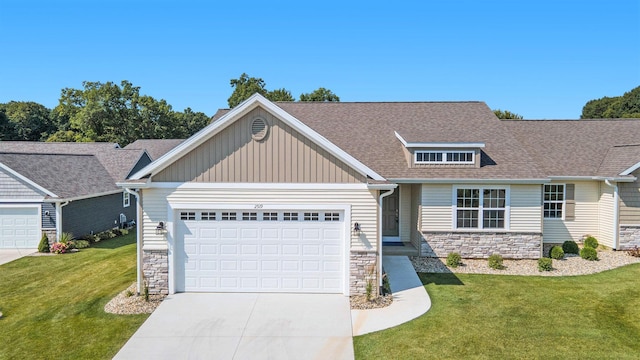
column 259, row 129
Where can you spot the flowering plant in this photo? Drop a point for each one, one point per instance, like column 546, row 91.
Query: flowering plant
column 59, row 248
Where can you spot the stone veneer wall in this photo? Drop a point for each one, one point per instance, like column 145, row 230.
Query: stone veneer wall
column 482, row 244
column 362, row 268
column 155, row 268
column 629, row 237
column 51, row 235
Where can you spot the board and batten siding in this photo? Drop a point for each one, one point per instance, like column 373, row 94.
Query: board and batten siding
column 364, row 207
column 525, row 207
column 284, row 156
column 630, row 201
column 606, row 219
column 586, row 215
column 12, row 188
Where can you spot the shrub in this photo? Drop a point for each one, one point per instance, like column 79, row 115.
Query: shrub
column 91, row 238
column 589, row 253
column 591, row 242
column 79, row 244
column 43, row 247
column 106, row 235
column 556, row 253
column 59, row 248
column 124, row 231
column 386, row 287
column 495, row 262
column 545, row 264
column 65, row 237
column 453, row 260
column 570, row 247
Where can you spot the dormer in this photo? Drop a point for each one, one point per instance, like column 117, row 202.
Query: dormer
column 441, row 154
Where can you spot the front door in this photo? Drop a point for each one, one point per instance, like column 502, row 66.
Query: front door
column 390, row 217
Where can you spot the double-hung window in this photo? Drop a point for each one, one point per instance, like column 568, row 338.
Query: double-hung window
column 481, row 208
column 553, row 201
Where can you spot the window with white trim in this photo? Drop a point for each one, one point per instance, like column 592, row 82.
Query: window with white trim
column 126, row 199
column 480, row 208
column 249, row 216
column 331, row 216
column 444, row 157
column 229, row 216
column 208, row 216
column 270, row 216
column 290, row 216
column 187, row 215
column 311, row 216
column 553, row 201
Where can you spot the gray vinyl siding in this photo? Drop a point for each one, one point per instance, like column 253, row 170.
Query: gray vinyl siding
column 48, row 221
column 97, row 214
column 284, row 156
column 630, row 201
column 142, row 162
column 12, row 188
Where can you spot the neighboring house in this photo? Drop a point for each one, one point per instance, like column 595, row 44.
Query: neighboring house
column 63, row 187
column 300, row 196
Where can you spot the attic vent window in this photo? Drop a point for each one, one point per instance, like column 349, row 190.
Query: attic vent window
column 444, row 157
column 259, row 129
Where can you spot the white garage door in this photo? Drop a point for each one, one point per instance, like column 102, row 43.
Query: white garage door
column 19, row 227
column 265, row 251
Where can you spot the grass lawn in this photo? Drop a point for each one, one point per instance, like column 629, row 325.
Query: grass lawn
column 519, row 317
column 53, row 305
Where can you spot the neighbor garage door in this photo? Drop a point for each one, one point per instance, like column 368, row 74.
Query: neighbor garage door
column 19, row 227
column 264, row 251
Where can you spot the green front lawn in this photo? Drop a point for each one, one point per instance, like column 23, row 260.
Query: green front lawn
column 506, row 317
column 53, row 305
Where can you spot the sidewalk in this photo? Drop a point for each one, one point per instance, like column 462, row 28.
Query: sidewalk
column 410, row 299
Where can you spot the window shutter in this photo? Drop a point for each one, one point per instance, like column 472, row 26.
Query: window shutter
column 570, row 202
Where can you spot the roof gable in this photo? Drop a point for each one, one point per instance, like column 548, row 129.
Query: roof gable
column 239, row 112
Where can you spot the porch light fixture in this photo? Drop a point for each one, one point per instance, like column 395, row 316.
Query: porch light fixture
column 356, row 228
column 160, row 229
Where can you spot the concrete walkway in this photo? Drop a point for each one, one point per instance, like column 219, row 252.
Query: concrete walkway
column 245, row 326
column 410, row 299
column 8, row 255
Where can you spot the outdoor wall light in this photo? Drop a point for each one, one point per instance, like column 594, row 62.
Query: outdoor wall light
column 160, row 228
column 356, row 228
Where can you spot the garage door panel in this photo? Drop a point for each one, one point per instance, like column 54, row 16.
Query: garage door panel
column 19, row 227
column 256, row 255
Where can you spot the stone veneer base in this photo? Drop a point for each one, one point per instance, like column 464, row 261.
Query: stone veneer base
column 155, row 267
column 482, row 245
column 629, row 237
column 362, row 268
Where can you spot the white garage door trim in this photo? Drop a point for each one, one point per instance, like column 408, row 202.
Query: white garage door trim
column 29, row 241
column 173, row 219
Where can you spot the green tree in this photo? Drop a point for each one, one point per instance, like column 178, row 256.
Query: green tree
column 625, row 106
column 7, row 128
column 506, row 114
column 320, row 94
column 31, row 121
column 280, row 95
column 244, row 87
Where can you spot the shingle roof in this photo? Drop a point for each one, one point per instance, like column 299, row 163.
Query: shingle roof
column 155, row 147
column 579, row 147
column 65, row 175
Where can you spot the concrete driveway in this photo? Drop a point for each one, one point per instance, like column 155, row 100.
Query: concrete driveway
column 8, row 255
column 245, row 326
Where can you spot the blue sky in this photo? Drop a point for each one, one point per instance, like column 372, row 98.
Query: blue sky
column 541, row 59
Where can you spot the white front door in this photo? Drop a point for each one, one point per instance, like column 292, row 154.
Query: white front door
column 19, row 227
column 260, row 251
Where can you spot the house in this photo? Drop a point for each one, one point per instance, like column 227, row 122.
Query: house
column 63, row 187
column 300, row 196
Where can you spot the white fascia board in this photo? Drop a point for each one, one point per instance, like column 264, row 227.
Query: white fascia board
column 83, row 197
column 20, row 205
column 258, row 186
column 21, row 201
column 133, row 185
column 26, row 180
column 593, row 178
column 631, row 169
column 470, row 181
column 251, row 103
column 382, row 186
column 440, row 145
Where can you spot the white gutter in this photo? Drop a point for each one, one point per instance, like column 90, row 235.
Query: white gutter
column 59, row 206
column 382, row 196
column 138, row 237
column 616, row 210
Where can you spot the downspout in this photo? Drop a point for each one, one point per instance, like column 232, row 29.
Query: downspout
column 138, row 239
column 382, row 196
column 59, row 218
column 616, row 210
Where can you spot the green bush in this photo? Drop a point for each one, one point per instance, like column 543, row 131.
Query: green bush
column 591, row 242
column 65, row 237
column 570, row 247
column 106, row 235
column 589, row 253
column 79, row 244
column 43, row 247
column 454, row 260
column 495, row 262
column 545, row 264
column 556, row 253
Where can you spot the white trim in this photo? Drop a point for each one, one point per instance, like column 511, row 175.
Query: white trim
column 126, row 199
column 38, row 207
column 381, row 186
column 26, row 180
column 252, row 102
column 83, row 197
column 631, row 169
column 564, row 202
column 593, row 178
column 21, row 200
column 469, row 181
column 259, row 186
column 444, row 154
column 171, row 224
column 507, row 208
column 441, row 145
